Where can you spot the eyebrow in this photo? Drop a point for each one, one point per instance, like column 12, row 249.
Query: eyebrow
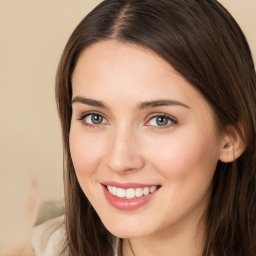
column 143, row 105
column 160, row 103
column 86, row 101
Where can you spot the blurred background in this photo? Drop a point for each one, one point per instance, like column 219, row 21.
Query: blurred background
column 33, row 34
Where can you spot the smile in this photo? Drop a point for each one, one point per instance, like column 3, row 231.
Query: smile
column 131, row 193
column 129, row 196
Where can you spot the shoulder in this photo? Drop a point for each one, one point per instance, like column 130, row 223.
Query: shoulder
column 48, row 239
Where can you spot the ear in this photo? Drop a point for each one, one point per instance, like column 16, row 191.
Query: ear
column 232, row 145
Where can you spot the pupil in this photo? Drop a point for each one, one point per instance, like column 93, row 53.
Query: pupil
column 161, row 120
column 96, row 119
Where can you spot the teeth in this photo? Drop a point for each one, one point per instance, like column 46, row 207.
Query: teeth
column 152, row 189
column 114, row 191
column 120, row 192
column 146, row 191
column 139, row 192
column 110, row 189
column 131, row 192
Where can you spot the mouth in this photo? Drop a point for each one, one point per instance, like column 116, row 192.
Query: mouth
column 129, row 196
column 131, row 193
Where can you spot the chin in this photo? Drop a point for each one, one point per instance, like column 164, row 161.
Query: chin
column 124, row 229
column 126, row 233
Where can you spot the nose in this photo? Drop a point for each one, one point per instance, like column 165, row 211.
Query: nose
column 123, row 154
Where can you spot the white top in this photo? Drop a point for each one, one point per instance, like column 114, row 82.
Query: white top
column 48, row 239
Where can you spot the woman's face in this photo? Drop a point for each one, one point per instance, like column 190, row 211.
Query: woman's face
column 143, row 141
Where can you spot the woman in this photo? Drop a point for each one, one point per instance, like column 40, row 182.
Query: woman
column 157, row 105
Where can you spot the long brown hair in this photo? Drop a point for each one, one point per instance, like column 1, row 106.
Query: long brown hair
column 202, row 41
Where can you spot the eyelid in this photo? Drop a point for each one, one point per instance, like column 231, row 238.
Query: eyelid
column 85, row 114
column 173, row 120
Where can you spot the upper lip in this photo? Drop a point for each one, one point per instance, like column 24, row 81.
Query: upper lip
column 127, row 185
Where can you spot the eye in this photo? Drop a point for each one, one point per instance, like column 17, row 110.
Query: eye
column 93, row 119
column 161, row 121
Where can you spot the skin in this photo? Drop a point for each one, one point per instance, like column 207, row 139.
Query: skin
column 130, row 146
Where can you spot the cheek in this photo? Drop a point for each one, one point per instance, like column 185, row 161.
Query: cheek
column 185, row 154
column 187, row 163
column 86, row 152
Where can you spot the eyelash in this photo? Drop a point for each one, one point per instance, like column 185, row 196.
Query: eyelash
column 172, row 121
column 85, row 115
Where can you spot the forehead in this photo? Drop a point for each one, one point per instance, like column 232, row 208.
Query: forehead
column 125, row 56
column 110, row 63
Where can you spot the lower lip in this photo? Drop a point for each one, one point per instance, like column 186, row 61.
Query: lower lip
column 127, row 204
